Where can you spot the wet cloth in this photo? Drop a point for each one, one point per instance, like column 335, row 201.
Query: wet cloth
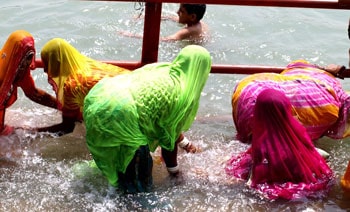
column 151, row 106
column 138, row 175
column 345, row 179
column 18, row 46
column 16, row 62
column 317, row 99
column 73, row 74
column 282, row 161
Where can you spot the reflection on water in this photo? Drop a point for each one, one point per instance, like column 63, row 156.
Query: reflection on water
column 39, row 172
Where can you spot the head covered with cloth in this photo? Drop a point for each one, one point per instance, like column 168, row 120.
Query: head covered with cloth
column 151, row 106
column 318, row 100
column 72, row 75
column 282, row 161
column 18, row 47
column 65, row 65
column 16, row 62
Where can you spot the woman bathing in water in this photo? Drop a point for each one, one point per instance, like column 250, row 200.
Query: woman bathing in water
column 282, row 161
column 317, row 97
column 17, row 59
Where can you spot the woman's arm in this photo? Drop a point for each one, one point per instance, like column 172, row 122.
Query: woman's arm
column 4, row 129
column 35, row 94
column 66, row 126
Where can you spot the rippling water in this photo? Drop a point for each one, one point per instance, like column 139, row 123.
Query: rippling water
column 39, row 172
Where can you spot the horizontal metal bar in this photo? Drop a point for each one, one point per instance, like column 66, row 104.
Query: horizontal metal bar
column 238, row 69
column 216, row 69
column 321, row 4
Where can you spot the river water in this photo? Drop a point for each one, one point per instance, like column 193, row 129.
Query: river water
column 40, row 172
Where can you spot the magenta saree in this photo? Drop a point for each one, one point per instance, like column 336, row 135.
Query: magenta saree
column 282, row 161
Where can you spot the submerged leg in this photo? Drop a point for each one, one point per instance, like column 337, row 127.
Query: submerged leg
column 170, row 159
column 138, row 175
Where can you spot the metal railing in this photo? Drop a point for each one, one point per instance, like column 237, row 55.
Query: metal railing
column 152, row 21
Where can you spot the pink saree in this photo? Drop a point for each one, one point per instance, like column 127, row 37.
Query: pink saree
column 282, row 161
column 317, row 97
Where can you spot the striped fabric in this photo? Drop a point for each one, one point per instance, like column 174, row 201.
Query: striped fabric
column 317, row 97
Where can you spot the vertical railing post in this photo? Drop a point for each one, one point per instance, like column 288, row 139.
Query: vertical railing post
column 151, row 32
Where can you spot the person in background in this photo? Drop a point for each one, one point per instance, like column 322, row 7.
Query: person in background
column 132, row 114
column 189, row 15
column 318, row 99
column 282, row 161
column 17, row 58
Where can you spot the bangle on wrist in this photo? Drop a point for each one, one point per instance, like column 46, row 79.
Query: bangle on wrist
column 184, row 142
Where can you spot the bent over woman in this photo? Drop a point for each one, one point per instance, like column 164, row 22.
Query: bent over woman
column 282, row 161
column 149, row 107
column 17, row 59
column 317, row 98
column 72, row 75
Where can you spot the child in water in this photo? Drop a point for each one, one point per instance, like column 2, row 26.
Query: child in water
column 190, row 15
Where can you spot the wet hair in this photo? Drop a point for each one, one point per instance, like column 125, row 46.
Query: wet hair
column 197, row 9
